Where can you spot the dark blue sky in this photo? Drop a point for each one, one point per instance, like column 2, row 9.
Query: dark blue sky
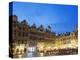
column 61, row 18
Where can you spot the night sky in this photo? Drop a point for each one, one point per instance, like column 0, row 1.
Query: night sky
column 61, row 18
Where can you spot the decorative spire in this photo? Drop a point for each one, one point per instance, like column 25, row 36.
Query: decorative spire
column 24, row 22
column 48, row 29
column 33, row 26
column 41, row 28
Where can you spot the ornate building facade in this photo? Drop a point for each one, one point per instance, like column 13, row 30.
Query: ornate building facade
column 41, row 41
